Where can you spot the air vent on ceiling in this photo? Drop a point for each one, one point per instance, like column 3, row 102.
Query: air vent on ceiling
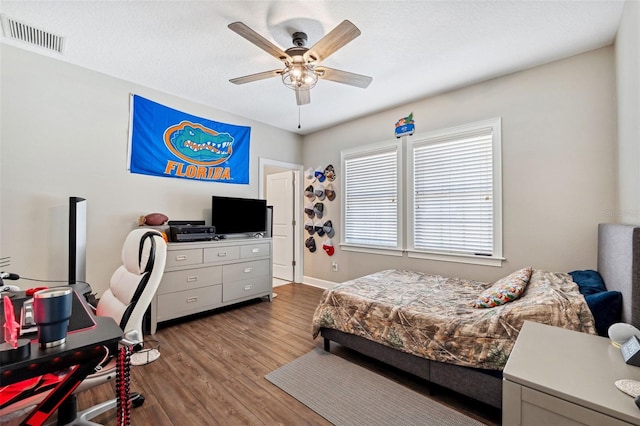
column 34, row 36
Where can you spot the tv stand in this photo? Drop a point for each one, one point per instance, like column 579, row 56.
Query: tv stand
column 206, row 275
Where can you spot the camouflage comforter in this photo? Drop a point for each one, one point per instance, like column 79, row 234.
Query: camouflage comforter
column 431, row 316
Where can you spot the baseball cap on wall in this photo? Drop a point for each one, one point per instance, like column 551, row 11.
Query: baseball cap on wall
column 310, row 243
column 309, row 174
column 327, row 246
column 330, row 173
column 308, row 225
column 328, row 229
column 309, row 193
column 329, row 192
column 319, row 174
column 318, row 209
column 308, row 209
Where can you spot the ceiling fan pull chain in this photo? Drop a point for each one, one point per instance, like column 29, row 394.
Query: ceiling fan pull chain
column 298, row 116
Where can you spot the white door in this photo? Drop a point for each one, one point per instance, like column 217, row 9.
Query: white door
column 280, row 191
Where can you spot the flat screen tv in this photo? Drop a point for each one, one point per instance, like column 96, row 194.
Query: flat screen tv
column 232, row 215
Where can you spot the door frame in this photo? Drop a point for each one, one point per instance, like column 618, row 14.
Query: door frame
column 297, row 205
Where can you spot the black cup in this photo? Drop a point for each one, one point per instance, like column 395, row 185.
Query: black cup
column 51, row 312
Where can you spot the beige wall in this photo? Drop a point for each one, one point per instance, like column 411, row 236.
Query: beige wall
column 628, row 80
column 559, row 155
column 64, row 132
column 559, row 165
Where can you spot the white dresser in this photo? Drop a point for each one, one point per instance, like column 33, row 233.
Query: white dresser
column 201, row 276
column 559, row 377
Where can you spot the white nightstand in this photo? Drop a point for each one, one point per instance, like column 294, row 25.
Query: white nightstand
column 558, row 377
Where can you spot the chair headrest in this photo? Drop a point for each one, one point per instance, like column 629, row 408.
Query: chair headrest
column 137, row 250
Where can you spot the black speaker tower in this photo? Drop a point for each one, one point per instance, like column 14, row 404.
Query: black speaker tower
column 77, row 239
column 269, row 227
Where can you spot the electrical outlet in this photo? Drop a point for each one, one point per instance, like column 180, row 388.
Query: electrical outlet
column 334, row 266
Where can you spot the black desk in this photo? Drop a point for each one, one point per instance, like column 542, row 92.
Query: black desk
column 82, row 351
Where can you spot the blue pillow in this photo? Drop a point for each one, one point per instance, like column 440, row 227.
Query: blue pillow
column 606, row 308
column 589, row 282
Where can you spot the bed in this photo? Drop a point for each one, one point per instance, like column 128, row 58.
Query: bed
column 468, row 350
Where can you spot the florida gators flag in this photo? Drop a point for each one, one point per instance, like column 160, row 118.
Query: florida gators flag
column 166, row 142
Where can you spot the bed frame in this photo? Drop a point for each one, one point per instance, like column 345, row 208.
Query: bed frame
column 619, row 265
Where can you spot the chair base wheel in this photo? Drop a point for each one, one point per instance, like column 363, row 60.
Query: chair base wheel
column 136, row 399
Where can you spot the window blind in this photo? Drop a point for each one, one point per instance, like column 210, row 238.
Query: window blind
column 371, row 199
column 453, row 194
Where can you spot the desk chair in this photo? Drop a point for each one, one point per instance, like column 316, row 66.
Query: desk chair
column 132, row 287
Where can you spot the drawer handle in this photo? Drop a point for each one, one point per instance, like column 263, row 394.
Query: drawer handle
column 248, row 287
column 255, row 250
column 247, row 270
column 222, row 254
column 192, row 279
column 192, row 299
column 181, row 257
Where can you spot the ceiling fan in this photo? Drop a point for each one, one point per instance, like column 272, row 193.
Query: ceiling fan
column 301, row 64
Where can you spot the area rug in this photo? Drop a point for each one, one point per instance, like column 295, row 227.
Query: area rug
column 345, row 393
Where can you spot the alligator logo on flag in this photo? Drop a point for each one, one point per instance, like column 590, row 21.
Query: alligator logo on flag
column 166, row 142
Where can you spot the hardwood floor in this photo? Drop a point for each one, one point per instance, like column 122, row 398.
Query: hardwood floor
column 211, row 369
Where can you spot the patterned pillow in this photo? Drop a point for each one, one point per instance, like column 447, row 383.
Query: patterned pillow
column 504, row 290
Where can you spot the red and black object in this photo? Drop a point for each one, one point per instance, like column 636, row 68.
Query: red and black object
column 123, row 385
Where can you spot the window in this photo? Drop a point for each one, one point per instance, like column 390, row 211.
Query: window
column 454, row 206
column 371, row 209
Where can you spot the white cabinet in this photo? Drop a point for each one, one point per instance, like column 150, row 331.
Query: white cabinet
column 201, row 276
column 560, row 377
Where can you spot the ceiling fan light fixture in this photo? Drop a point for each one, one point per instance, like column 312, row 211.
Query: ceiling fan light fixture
column 299, row 76
column 302, row 67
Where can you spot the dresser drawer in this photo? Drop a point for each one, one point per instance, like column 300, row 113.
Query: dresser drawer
column 538, row 408
column 187, row 302
column 173, row 281
column 245, row 270
column 245, row 288
column 183, row 257
column 199, row 275
column 221, row 254
column 254, row 250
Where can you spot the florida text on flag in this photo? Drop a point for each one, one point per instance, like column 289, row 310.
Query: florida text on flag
column 166, row 142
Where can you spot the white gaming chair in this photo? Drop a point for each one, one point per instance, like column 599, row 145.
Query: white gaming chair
column 132, row 287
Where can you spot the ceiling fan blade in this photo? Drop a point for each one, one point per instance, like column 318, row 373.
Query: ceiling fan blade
column 255, row 38
column 344, row 77
column 303, row 96
column 255, row 77
column 334, row 40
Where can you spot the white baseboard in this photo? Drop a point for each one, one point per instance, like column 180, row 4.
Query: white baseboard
column 315, row 282
column 278, row 282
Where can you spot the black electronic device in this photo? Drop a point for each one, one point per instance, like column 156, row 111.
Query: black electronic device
column 185, row 222
column 189, row 233
column 188, row 238
column 630, row 351
column 77, row 239
column 189, row 229
column 269, row 226
column 231, row 215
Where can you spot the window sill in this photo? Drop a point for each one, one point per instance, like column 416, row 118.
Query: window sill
column 458, row 258
column 391, row 251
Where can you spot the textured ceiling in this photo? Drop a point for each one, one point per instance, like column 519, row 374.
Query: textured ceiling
column 412, row 49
